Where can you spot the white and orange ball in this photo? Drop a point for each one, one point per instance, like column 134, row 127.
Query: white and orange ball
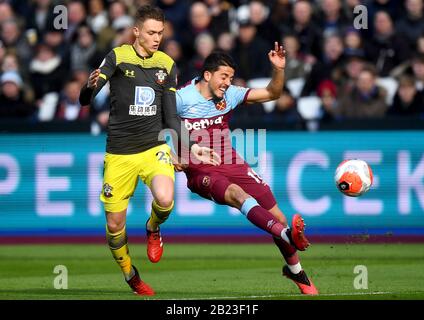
column 353, row 177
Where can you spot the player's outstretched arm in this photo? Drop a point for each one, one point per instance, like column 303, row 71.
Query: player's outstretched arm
column 273, row 90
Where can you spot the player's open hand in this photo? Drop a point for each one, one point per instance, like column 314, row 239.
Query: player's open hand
column 206, row 155
column 93, row 78
column 277, row 57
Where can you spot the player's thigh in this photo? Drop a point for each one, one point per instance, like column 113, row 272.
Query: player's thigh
column 253, row 184
column 157, row 172
column 209, row 185
column 120, row 177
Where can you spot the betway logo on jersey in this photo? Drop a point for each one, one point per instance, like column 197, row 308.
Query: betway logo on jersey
column 203, row 123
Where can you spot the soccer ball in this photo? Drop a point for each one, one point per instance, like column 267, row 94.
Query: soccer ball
column 353, row 177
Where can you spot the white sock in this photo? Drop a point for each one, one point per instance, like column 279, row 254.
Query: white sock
column 284, row 235
column 296, row 268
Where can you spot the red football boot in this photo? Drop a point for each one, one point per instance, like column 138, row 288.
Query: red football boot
column 301, row 280
column 154, row 245
column 138, row 286
column 297, row 233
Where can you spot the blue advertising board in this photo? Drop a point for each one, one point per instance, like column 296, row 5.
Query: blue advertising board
column 50, row 183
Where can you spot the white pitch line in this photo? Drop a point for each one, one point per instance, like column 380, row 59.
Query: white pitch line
column 289, row 295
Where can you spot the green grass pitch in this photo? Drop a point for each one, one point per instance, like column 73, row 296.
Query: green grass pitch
column 213, row 271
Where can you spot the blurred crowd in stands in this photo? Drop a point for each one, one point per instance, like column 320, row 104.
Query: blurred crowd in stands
column 334, row 71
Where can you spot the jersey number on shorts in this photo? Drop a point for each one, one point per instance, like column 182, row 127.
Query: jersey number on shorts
column 163, row 157
column 252, row 173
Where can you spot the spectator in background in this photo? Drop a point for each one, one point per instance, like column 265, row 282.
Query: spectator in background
column 296, row 66
column 46, row 71
column 327, row 92
column 56, row 40
column 332, row 19
column 84, row 53
column 249, row 52
column 97, row 18
column 354, row 63
column 14, row 40
column 40, row 17
column 69, row 108
column 6, row 12
column 285, row 111
column 348, row 7
column 173, row 49
column 176, row 12
column 392, row 7
column 408, row 101
column 119, row 21
column 2, row 52
column 418, row 71
column 226, row 42
column 260, row 17
column 353, row 44
column 386, row 49
column 367, row 100
column 329, row 68
column 76, row 17
column 411, row 25
column 305, row 29
column 223, row 15
column 12, row 101
column 47, row 75
column 204, row 44
column 199, row 22
column 280, row 12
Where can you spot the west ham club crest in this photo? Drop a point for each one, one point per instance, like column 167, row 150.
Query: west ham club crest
column 221, row 105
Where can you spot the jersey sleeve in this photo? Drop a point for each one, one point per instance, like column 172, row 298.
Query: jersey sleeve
column 236, row 95
column 179, row 101
column 171, row 118
column 107, row 68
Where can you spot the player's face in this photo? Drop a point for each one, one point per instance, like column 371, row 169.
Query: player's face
column 220, row 80
column 149, row 35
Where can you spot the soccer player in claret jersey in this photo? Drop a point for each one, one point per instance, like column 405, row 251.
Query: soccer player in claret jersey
column 142, row 85
column 206, row 104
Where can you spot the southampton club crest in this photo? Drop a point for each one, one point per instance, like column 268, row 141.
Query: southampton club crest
column 107, row 190
column 160, row 76
column 221, row 105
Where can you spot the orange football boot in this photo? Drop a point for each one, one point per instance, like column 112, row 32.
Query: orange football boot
column 154, row 245
column 138, row 286
column 301, row 280
column 297, row 233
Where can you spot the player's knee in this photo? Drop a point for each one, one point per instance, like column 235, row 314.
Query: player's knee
column 115, row 226
column 164, row 200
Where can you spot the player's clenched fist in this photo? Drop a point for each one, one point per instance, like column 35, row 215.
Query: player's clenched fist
column 93, row 78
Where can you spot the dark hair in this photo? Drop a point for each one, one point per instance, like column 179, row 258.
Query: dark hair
column 217, row 59
column 148, row 12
